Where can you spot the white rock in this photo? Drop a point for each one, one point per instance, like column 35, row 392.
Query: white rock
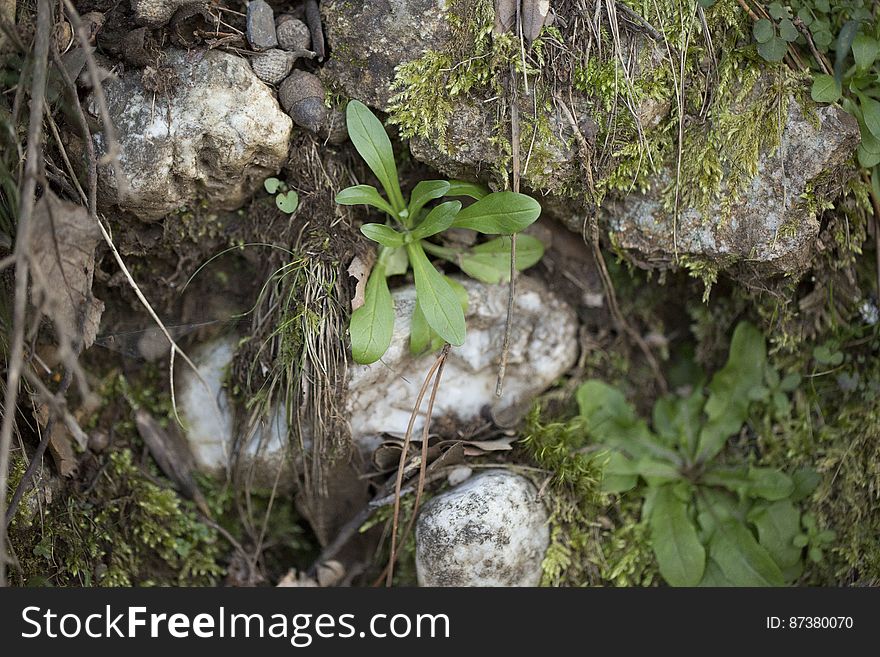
column 213, row 136
column 209, row 425
column 489, row 531
column 543, row 346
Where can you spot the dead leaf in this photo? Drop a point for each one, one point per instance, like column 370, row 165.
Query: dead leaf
column 63, row 264
column 173, row 456
column 359, row 269
column 61, row 449
column 480, row 447
column 505, row 16
column 534, row 17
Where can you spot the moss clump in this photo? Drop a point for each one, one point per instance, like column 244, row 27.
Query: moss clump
column 591, row 542
column 125, row 530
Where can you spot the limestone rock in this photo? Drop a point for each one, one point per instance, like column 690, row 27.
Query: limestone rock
column 768, row 226
column 543, row 347
column 492, row 530
column 213, row 136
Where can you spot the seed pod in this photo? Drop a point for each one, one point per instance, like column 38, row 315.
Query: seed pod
column 302, row 97
column 156, row 13
column 293, row 35
column 273, row 65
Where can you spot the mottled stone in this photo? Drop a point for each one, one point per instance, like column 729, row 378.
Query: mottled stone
column 261, row 25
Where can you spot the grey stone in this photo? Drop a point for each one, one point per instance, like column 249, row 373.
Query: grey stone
column 768, row 227
column 261, row 25
column 492, row 530
column 213, row 137
column 155, row 13
column 543, row 347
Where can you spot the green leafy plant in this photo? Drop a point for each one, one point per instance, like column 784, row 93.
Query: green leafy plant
column 286, row 199
column 711, row 522
column 775, row 33
column 405, row 242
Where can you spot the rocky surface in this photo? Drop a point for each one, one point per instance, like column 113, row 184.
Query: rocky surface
column 209, row 425
column 212, row 135
column 543, row 346
column 261, row 25
column 492, row 530
column 768, row 225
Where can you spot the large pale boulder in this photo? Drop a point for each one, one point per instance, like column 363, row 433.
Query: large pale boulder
column 208, row 131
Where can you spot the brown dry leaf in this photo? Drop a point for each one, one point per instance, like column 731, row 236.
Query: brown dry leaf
column 505, row 16
column 61, row 449
column 480, row 447
column 173, row 456
column 359, row 269
column 63, row 263
column 534, row 17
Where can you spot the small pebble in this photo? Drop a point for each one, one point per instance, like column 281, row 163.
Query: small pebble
column 293, row 35
column 261, row 25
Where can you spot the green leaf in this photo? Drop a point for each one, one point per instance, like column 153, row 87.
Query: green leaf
column 769, row 483
column 656, row 472
column 364, row 195
column 728, row 405
column 271, row 185
column 713, row 577
column 777, row 11
column 805, row 15
column 462, row 188
column 680, row 555
column 373, row 323
column 439, row 219
column 763, row 30
column 845, row 37
column 369, row 138
column 865, row 49
column 287, row 202
column 778, row 524
column 825, row 89
column 678, row 420
column 788, row 31
column 421, row 335
column 773, row 50
column 425, row 192
column 609, row 419
column 499, row 213
column 805, row 482
column 740, row 558
column 384, row 235
column 619, row 474
column 490, row 262
column 870, row 114
column 436, row 297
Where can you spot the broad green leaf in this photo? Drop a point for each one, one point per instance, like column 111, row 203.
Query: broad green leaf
column 845, row 37
column 396, row 262
column 773, row 50
column 619, row 474
column 805, row 482
column 287, row 202
column 825, row 89
column 610, row 419
column 490, row 262
column 763, row 30
column 728, row 405
column 425, row 192
column 680, row 555
column 713, row 577
column 499, row 213
column 271, row 185
column 371, row 141
column 384, row 235
column 439, row 219
column 865, row 49
column 422, row 336
column 741, row 559
column 777, row 524
column 656, row 472
column 373, row 323
column 733, row 479
column 462, row 188
column 364, row 195
column 677, row 420
column 436, row 297
column 870, row 114
column 788, row 31
column 777, row 11
column 769, row 483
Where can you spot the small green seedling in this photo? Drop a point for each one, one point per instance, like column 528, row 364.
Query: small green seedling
column 286, row 199
column 405, row 240
column 712, row 523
